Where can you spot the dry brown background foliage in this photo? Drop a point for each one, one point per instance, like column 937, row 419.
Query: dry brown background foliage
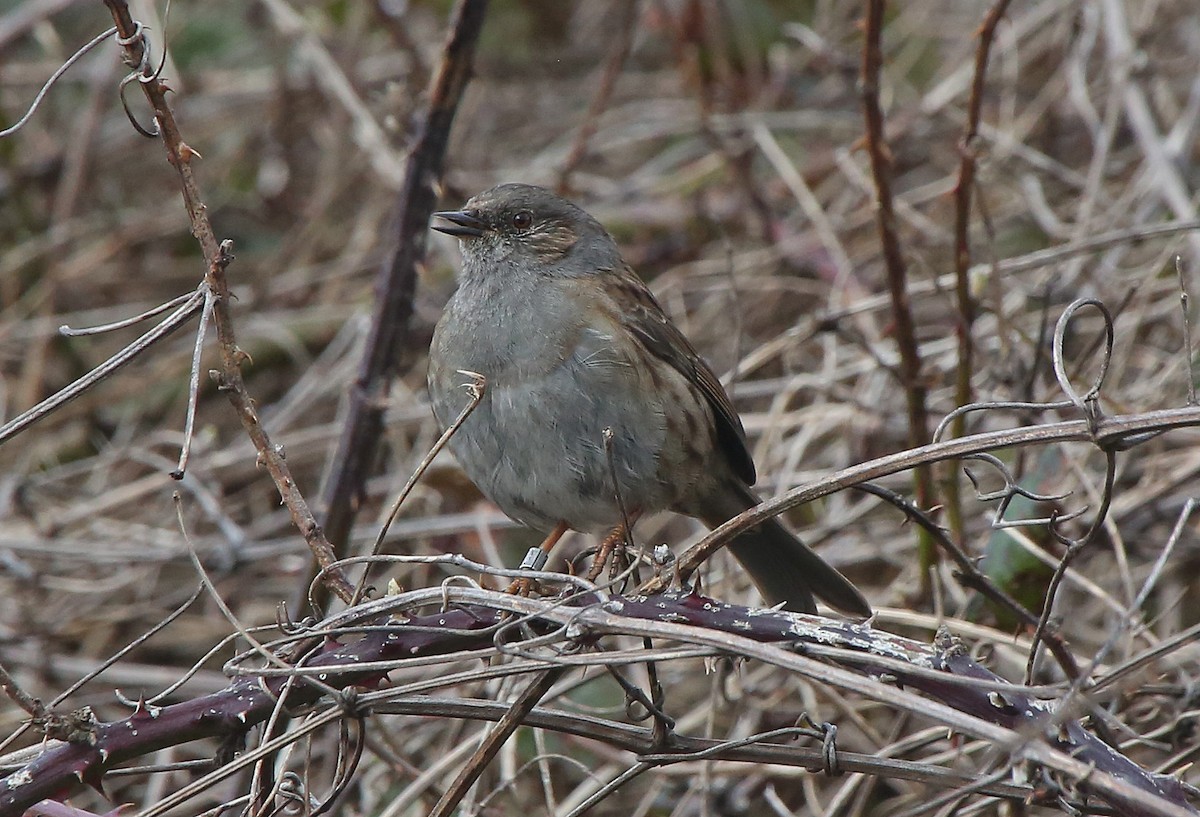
column 729, row 162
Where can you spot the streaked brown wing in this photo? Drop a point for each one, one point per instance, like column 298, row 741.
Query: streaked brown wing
column 646, row 320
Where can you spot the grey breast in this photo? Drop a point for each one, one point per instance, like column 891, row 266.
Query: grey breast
column 536, row 445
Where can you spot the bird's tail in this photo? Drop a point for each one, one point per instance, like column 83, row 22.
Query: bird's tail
column 784, row 568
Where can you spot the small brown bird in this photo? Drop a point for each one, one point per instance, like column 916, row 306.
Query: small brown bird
column 571, row 343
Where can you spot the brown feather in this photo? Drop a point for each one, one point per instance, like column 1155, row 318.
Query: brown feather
column 646, row 321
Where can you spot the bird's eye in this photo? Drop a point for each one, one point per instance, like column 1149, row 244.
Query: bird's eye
column 522, row 220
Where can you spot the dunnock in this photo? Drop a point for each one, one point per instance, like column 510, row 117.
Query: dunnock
column 571, row 343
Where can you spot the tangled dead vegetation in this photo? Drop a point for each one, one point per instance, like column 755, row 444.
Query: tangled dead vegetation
column 868, row 218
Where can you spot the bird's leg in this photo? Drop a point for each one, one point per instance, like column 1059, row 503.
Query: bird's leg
column 616, row 538
column 624, row 556
column 619, row 535
column 522, row 587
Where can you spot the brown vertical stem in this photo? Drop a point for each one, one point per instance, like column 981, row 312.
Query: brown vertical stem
column 626, row 25
column 911, row 376
column 495, row 739
column 967, row 307
column 395, row 284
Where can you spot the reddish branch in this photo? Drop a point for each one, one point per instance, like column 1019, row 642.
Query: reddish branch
column 216, row 259
column 911, row 376
column 962, row 209
column 247, row 701
column 962, row 251
column 626, row 26
column 881, row 171
column 943, row 672
column 395, row 284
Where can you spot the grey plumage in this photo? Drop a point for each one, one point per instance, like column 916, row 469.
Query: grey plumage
column 571, row 343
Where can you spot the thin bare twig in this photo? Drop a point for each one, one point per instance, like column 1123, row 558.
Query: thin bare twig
column 127, row 355
column 31, row 705
column 1027, row 262
column 108, row 662
column 395, row 283
column 476, row 388
column 1135, row 607
column 62, row 69
column 69, row 332
column 965, row 319
column 193, row 400
column 915, row 387
column 217, row 258
column 1188, row 370
column 971, row 576
column 629, row 11
column 962, row 207
column 1073, row 549
column 521, row 707
column 1109, row 431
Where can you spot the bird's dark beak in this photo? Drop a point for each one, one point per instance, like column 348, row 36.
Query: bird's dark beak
column 462, row 224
